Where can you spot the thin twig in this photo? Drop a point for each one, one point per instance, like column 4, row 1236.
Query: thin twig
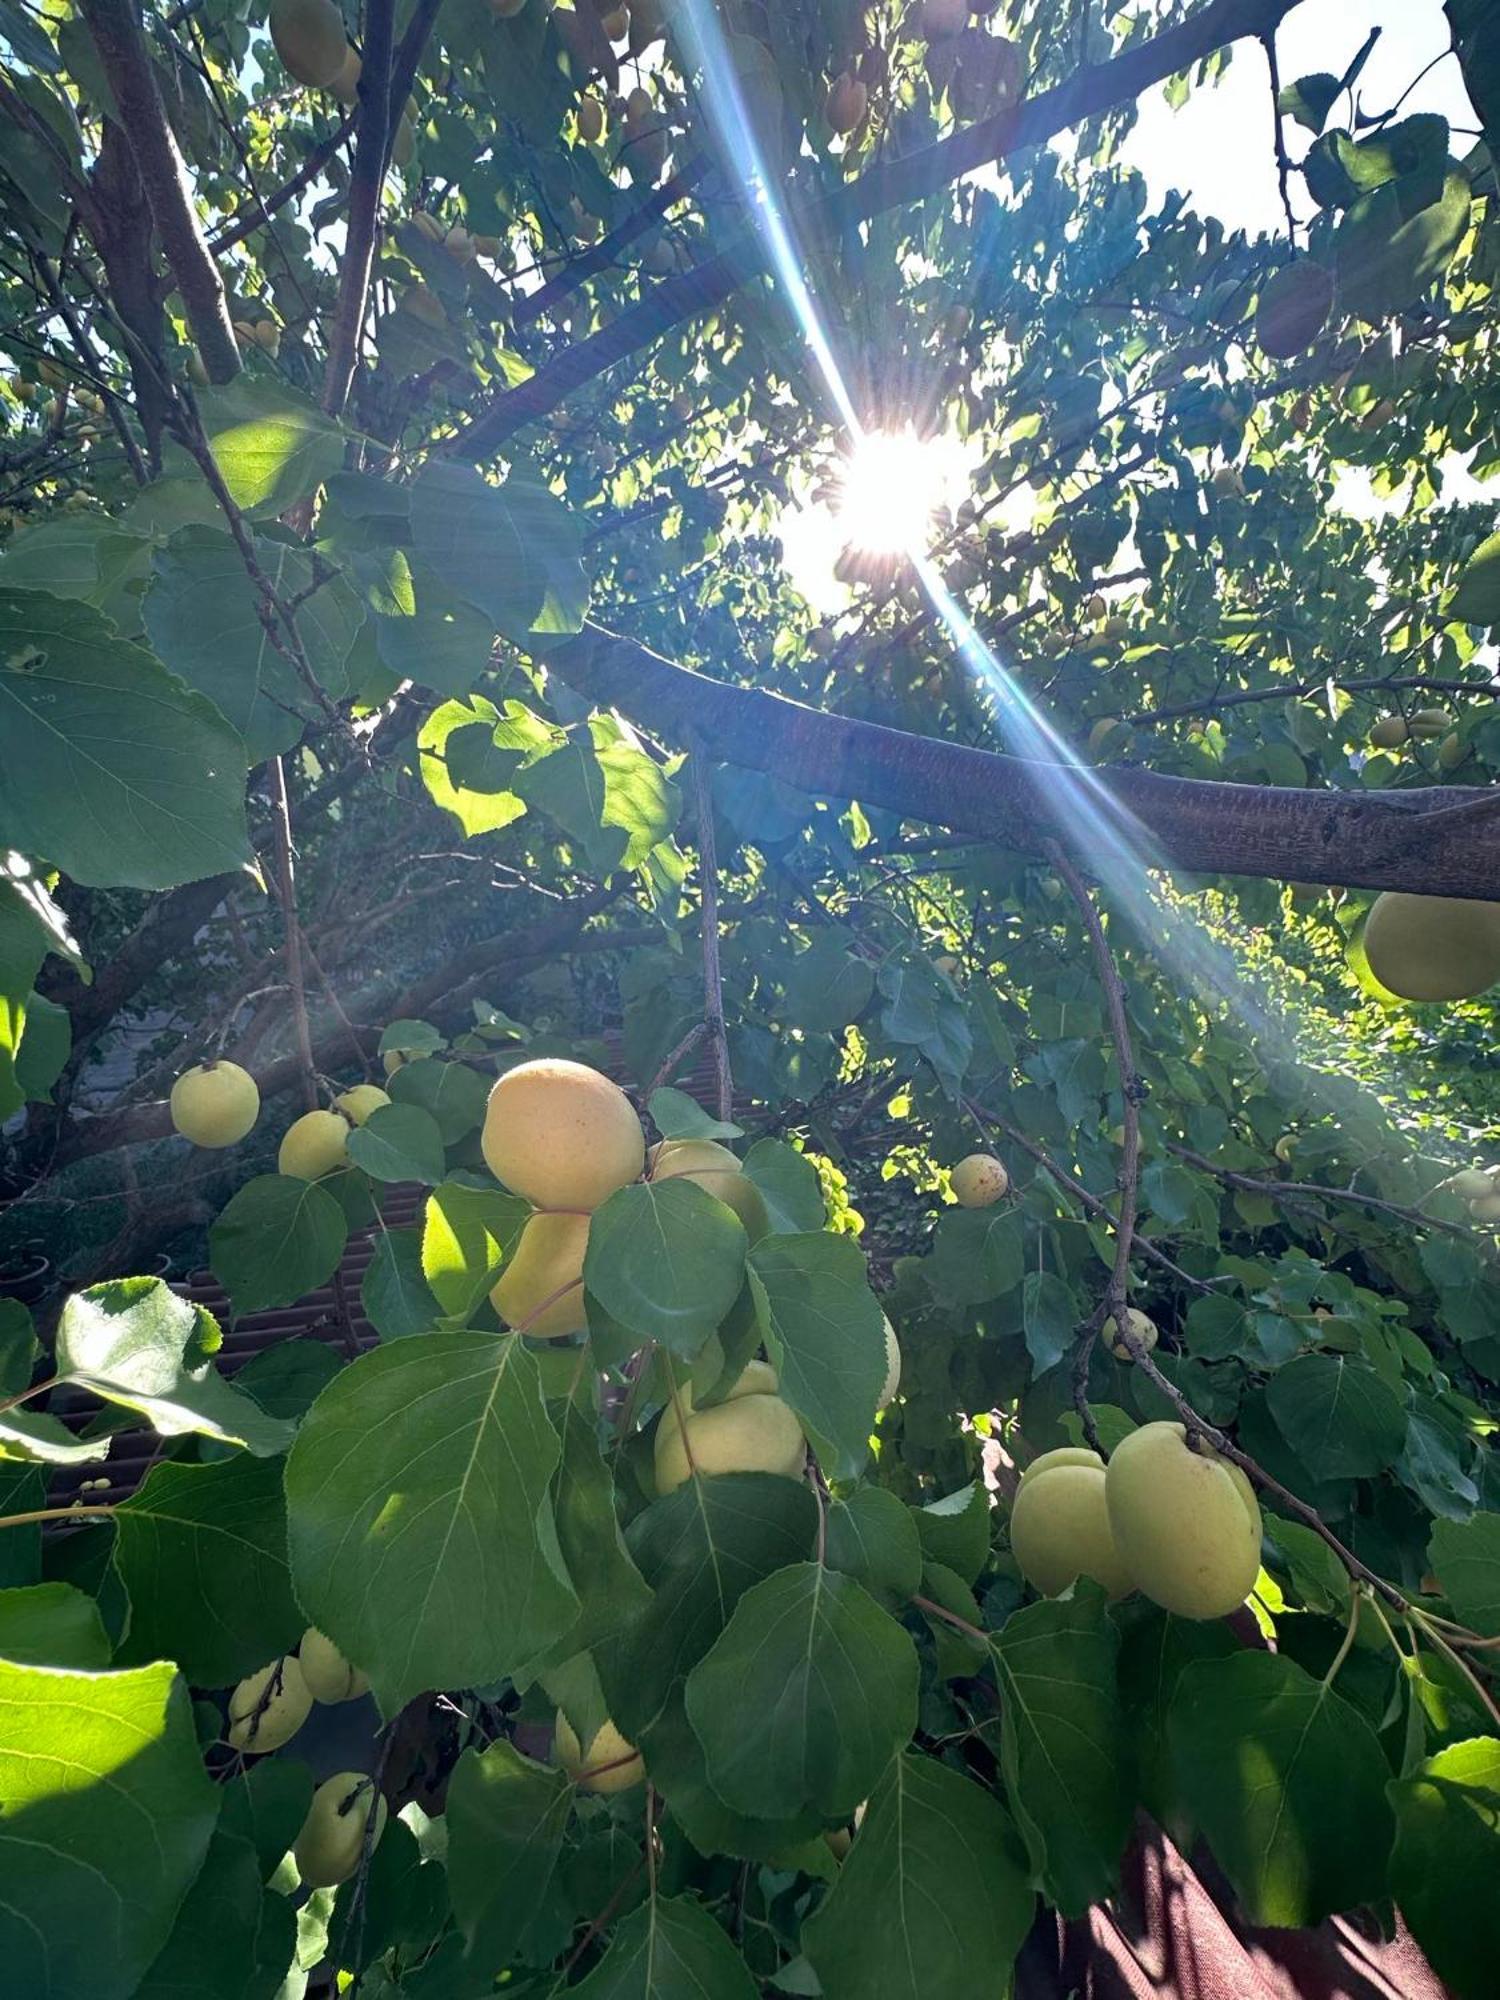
column 1283, row 164
column 713, row 982
column 291, row 932
column 675, row 1058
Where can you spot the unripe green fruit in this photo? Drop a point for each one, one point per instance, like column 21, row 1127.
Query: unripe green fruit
column 979, row 1181
column 215, row 1104
column 313, row 1145
column 328, row 1849
column 590, row 119
column 1469, row 1184
column 753, row 1430
column 1452, row 752
column 286, row 1707
column 310, row 39
column 610, row 1764
column 1486, row 1208
column 1433, row 947
column 1185, row 1521
column 1388, row 732
column 845, row 106
column 345, row 86
column 562, row 1135
column 892, row 1381
column 1059, row 1524
column 548, row 1256
column 404, row 145
column 1428, row 722
column 716, row 1170
column 330, row 1677
column 359, row 1101
column 1137, row 1323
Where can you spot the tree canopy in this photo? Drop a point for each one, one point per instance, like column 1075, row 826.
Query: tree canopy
column 1052, row 983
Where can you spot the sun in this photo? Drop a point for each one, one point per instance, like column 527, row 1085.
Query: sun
column 891, row 486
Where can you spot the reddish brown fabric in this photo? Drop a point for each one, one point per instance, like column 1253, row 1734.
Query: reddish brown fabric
column 1173, row 1931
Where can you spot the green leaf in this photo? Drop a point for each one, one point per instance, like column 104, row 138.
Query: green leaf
column 1060, row 1743
column 276, row 1240
column 476, row 811
column 921, row 1011
column 203, row 616
column 395, row 1295
column 1153, row 1654
column 105, row 1818
column 805, row 1697
column 1466, row 1558
column 23, row 947
column 827, row 986
column 52, row 1625
column 977, row 1254
column 399, row 1142
column 789, row 1182
column 678, row 1116
column 1341, row 1419
column 1287, row 1782
column 272, row 446
column 933, row 1888
column 444, row 645
column 700, row 1549
column 955, row 1530
column 611, row 1591
column 826, row 1338
column 1310, row 99
column 1446, row 1862
column 135, row 1343
column 1476, row 600
column 872, row 1537
column 449, row 1092
column 45, row 1047
column 233, row 1938
column 511, row 550
column 666, row 1260
column 37, row 1438
column 419, row 1514
column 85, row 716
column 467, row 1234
column 669, row 1950
column 506, row 1817
column 201, row 1551
column 1388, row 252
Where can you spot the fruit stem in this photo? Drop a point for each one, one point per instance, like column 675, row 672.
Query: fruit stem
column 36, row 1389
column 935, row 1610
column 1356, row 1599
column 1424, row 1624
column 102, row 1513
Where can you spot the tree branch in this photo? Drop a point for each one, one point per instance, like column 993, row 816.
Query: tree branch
column 291, row 932
column 115, row 28
column 371, row 149
column 1377, row 840
column 1093, row 89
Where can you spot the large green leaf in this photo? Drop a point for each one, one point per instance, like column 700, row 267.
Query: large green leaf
column 105, row 1818
column 1060, row 1743
column 955, row 1530
column 395, row 1295
column 977, row 1254
column 1476, row 598
column 872, row 1536
column 467, row 1234
column 23, row 946
column 512, row 550
column 1466, row 1558
column 1287, row 1781
column 1388, row 250
column 1446, row 1862
column 201, row 1551
column 52, row 1625
column 612, row 1593
column 669, row 1950
column 506, row 1817
column 826, row 1336
column 476, row 810
column 108, row 765
column 1342, row 1419
column 272, row 446
column 203, row 616
column 399, row 1142
column 666, row 1260
column 419, row 1514
column 134, row 1342
column 700, row 1549
column 277, row 1239
column 934, row 1888
column 445, row 644
column 789, row 1182
column 805, row 1697
column 450, row 1092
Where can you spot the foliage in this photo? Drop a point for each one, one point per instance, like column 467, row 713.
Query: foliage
column 299, row 764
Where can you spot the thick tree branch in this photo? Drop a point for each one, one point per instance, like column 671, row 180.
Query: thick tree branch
column 115, row 28
column 1379, row 840
column 1093, row 89
column 371, row 149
